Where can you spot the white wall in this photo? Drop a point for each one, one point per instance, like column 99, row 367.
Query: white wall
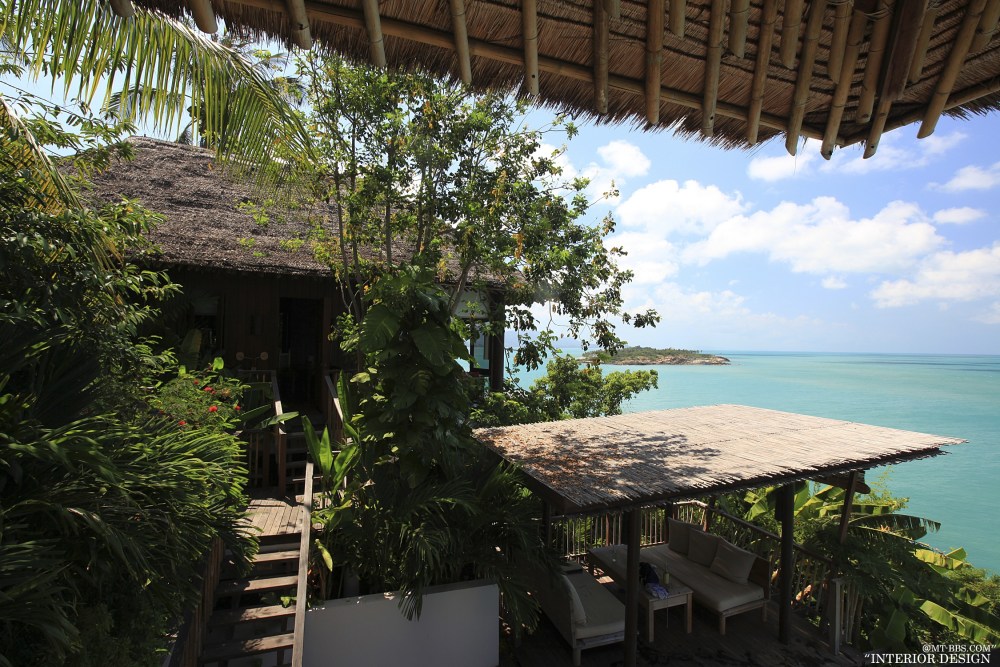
column 458, row 626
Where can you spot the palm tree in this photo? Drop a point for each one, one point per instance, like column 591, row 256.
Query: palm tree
column 177, row 69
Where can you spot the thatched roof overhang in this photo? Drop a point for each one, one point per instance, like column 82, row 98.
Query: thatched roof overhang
column 732, row 73
column 626, row 461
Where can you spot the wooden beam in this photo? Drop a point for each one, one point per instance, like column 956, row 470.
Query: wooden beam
column 459, row 28
column 529, row 21
column 613, row 8
column 907, row 24
column 713, row 62
column 987, row 26
column 785, row 511
column 859, row 21
column 769, row 16
column 353, row 18
column 204, row 16
column 632, row 589
column 873, row 66
column 845, row 515
column 739, row 16
column 920, row 51
column 123, row 8
column 678, row 10
column 790, row 25
column 299, row 20
column 601, row 31
column 803, row 82
column 373, row 24
column 654, row 59
column 841, row 21
column 956, row 59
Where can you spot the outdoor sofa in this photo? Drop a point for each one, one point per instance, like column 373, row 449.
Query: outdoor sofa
column 585, row 612
column 725, row 579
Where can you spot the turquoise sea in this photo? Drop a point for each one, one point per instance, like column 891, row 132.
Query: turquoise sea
column 945, row 395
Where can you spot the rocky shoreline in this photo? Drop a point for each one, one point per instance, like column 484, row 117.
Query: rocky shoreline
column 672, row 360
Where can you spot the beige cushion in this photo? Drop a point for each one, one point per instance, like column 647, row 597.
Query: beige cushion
column 605, row 612
column 710, row 590
column 702, row 547
column 732, row 562
column 677, row 534
column 577, row 610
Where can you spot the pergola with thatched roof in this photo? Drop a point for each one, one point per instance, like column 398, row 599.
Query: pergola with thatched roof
column 629, row 461
column 733, row 72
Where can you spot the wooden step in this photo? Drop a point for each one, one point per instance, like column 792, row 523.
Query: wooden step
column 250, row 614
column 238, row 649
column 276, row 556
column 260, row 585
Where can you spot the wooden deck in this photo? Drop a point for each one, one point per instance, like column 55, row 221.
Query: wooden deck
column 274, row 515
column 748, row 642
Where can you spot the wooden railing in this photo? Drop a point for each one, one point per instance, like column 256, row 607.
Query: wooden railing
column 260, row 444
column 301, row 587
column 818, row 594
column 186, row 648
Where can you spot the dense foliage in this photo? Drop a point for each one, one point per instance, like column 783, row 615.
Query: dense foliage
column 569, row 389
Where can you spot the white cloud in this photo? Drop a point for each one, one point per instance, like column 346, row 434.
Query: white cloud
column 991, row 315
column 958, row 216
column 833, row 282
column 820, row 237
column 895, row 151
column 667, row 207
column 973, row 178
column 780, row 167
column 624, row 158
column 946, row 276
column 650, row 256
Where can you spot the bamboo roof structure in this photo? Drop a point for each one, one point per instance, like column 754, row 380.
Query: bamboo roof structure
column 626, row 461
column 731, row 72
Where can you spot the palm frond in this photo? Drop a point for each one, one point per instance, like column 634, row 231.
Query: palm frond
column 96, row 51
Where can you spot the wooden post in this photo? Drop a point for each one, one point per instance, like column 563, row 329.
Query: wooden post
column 547, row 523
column 845, row 517
column 529, row 23
column 785, row 514
column 632, row 589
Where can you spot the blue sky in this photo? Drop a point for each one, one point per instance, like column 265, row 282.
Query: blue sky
column 759, row 250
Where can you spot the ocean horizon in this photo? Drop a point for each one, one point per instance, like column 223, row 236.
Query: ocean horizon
column 954, row 395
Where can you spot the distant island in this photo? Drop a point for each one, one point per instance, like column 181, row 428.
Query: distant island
column 649, row 356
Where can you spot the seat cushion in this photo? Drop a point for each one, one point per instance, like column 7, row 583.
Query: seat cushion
column 677, row 534
column 605, row 612
column 710, row 589
column 577, row 611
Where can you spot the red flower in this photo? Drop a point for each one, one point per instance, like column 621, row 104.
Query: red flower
column 236, row 407
column 208, row 389
column 213, row 408
column 182, row 423
column 197, row 382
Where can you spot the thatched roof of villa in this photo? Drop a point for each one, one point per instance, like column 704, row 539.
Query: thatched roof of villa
column 732, row 73
column 626, row 461
column 206, row 224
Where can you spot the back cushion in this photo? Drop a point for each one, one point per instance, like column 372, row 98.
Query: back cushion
column 576, row 605
column 702, row 547
column 732, row 562
column 677, row 534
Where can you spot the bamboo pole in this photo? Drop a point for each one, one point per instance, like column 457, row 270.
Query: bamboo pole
column 529, row 21
column 739, row 16
column 873, row 66
column 300, row 23
column 678, row 8
column 123, row 8
column 204, row 16
column 459, row 28
column 804, row 79
column 907, row 24
column 654, row 59
column 853, row 48
column 373, row 24
column 987, row 26
column 769, row 16
column 790, row 25
column 713, row 62
column 845, row 515
column 920, row 52
column 613, row 8
column 601, row 36
column 945, row 84
column 632, row 590
column 841, row 22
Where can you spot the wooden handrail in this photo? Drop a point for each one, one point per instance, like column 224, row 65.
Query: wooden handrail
column 301, row 596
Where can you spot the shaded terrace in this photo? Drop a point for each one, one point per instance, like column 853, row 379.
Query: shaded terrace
column 627, row 462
